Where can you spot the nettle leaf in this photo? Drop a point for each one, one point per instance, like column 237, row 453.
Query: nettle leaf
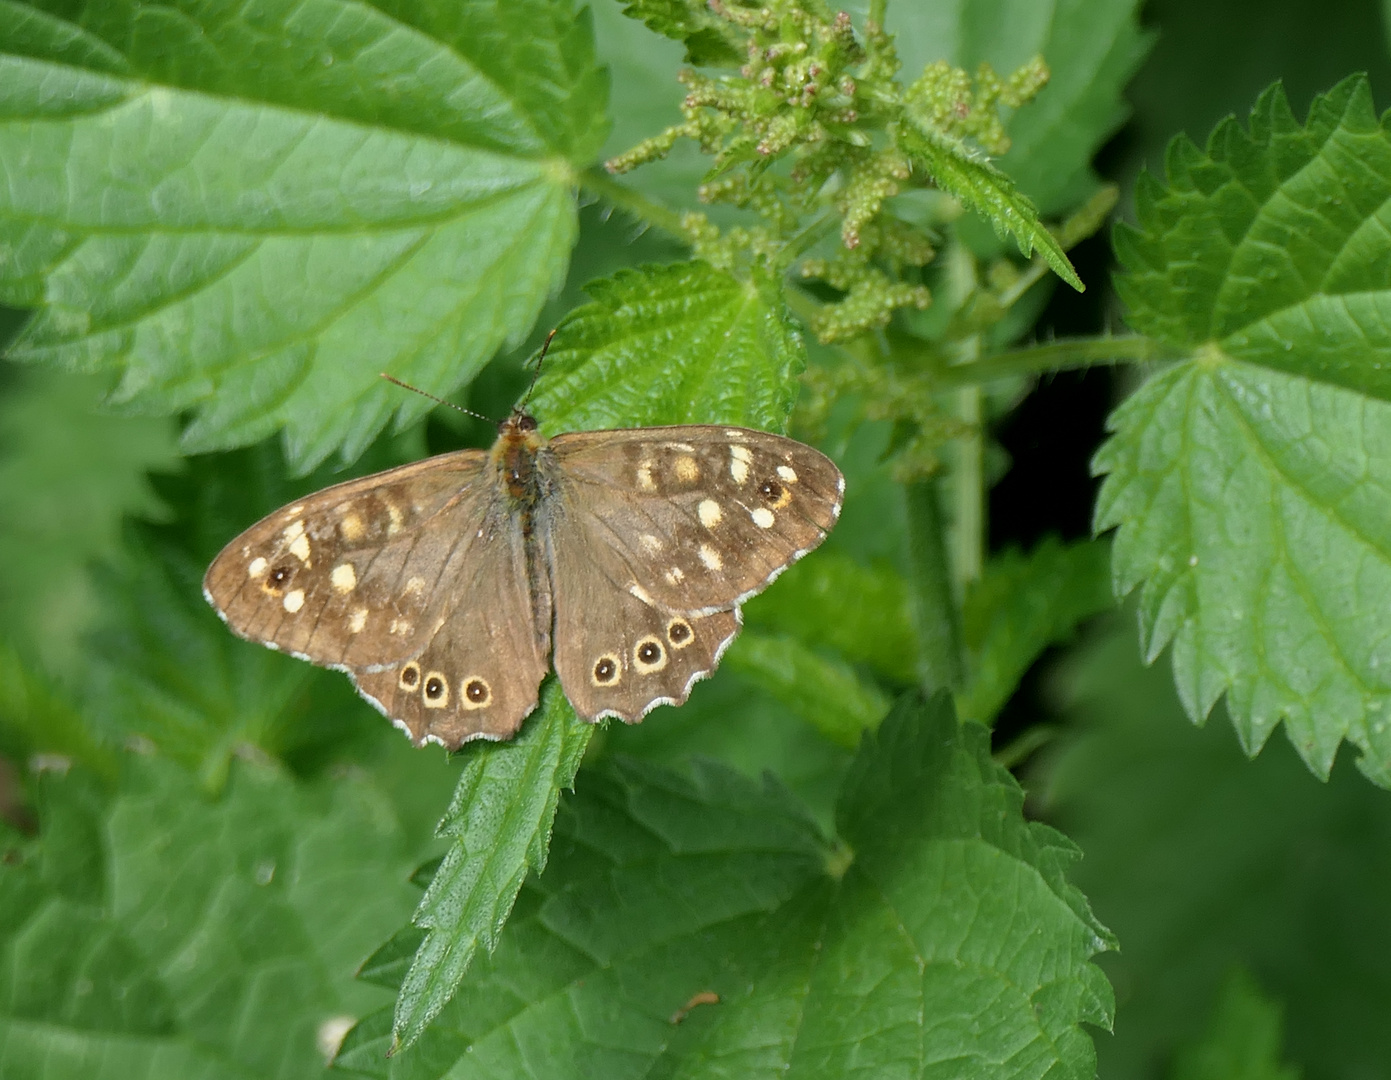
column 702, row 927
column 677, row 344
column 499, row 828
column 248, row 214
column 68, row 474
column 1021, row 605
column 1252, row 483
column 210, row 939
column 1202, row 860
column 872, row 624
column 821, row 688
column 984, row 188
column 1092, row 48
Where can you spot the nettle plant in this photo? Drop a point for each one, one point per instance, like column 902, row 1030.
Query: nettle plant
column 238, row 215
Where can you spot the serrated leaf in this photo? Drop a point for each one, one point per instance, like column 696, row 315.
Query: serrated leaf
column 1242, row 1041
column 677, row 344
column 1019, row 606
column 307, row 194
column 218, row 939
column 499, row 828
column 822, row 689
column 1250, row 483
column 68, row 473
column 1092, row 48
column 707, row 37
column 1265, row 247
column 701, row 927
column 1201, row 860
column 983, row 188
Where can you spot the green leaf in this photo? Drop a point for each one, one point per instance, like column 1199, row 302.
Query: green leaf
column 872, row 624
column 307, row 194
column 499, row 828
column 1250, row 483
column 943, row 935
column 1092, row 49
column 1200, row 859
column 167, row 668
column 68, row 473
column 1242, row 1041
column 707, row 37
column 37, row 718
column 822, row 689
column 677, row 344
column 1021, row 605
column 208, row 939
column 983, row 188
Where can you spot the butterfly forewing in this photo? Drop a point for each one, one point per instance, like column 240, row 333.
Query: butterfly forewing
column 355, row 575
column 701, row 516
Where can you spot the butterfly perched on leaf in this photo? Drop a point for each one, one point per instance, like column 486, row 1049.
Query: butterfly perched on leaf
column 447, row 588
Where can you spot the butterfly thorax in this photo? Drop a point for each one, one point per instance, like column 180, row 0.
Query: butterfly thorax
column 514, row 457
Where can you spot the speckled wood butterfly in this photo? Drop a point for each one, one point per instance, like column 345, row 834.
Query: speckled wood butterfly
column 441, row 587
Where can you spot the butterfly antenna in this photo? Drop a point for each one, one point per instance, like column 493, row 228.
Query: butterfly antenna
column 437, row 400
column 545, row 348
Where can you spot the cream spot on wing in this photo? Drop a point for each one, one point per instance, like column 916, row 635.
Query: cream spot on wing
column 788, row 473
column 685, row 448
column 294, row 600
column 351, row 526
column 710, row 513
column 300, row 549
column 645, row 481
column 650, row 544
column 344, row 577
column 293, row 531
column 762, row 517
column 676, row 575
column 641, row 593
column 400, row 626
column 733, row 433
column 396, row 516
column 710, row 557
column 739, row 458
column 414, row 585
column 357, row 621
column 687, row 471
column 295, row 509
column 257, row 567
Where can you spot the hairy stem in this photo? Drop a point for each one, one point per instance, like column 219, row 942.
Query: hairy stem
column 1060, row 356
column 932, row 603
column 650, row 212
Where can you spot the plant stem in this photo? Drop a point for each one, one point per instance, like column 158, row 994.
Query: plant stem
column 1059, row 356
column 598, row 182
column 931, row 600
column 968, row 493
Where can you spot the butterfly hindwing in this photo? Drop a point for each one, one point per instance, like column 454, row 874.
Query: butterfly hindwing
column 479, row 673
column 701, row 516
column 616, row 655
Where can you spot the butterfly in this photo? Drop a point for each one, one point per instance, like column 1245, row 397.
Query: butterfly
column 446, row 588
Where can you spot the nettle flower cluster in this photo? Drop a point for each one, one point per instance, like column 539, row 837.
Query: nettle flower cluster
column 812, row 131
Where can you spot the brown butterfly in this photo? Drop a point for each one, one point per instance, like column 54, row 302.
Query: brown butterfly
column 441, row 587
